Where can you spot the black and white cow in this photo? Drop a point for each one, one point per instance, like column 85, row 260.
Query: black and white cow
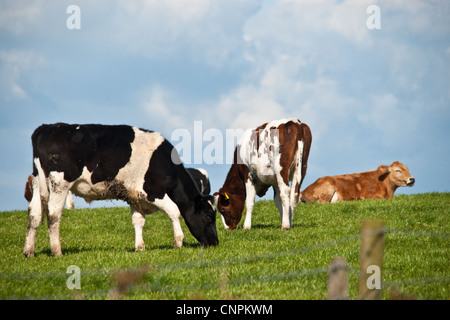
column 201, row 179
column 114, row 162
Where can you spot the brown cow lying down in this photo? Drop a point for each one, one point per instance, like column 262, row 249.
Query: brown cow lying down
column 377, row 184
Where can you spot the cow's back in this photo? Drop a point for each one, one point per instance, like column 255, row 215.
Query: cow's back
column 322, row 190
column 347, row 187
column 100, row 161
column 68, row 148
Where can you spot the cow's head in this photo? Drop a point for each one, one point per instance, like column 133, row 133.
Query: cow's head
column 230, row 206
column 202, row 223
column 398, row 174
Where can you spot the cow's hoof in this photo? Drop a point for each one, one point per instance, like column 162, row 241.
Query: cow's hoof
column 28, row 254
column 140, row 247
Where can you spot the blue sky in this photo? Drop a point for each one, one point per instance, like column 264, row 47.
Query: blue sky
column 371, row 97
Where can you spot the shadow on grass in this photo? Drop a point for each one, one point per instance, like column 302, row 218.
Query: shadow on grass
column 165, row 247
column 278, row 226
column 78, row 250
column 75, row 250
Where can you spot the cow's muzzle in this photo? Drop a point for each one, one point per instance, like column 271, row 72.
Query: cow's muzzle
column 410, row 182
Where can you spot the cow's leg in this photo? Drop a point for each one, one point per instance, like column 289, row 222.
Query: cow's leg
column 334, row 197
column 281, row 165
column 277, row 200
column 58, row 193
column 171, row 209
column 294, row 193
column 249, row 203
column 286, row 215
column 138, row 220
column 35, row 216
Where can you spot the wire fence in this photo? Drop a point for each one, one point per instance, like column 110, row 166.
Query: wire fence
column 149, row 278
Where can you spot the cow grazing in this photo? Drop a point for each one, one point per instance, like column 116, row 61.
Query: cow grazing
column 376, row 184
column 201, row 179
column 273, row 154
column 29, row 194
column 114, row 162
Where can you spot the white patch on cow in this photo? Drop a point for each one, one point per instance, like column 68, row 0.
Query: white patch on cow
column 171, row 209
column 212, row 205
column 277, row 123
column 43, row 189
column 296, row 178
column 138, row 220
column 83, row 187
column 257, row 160
column 224, row 223
column 133, row 173
column 249, row 203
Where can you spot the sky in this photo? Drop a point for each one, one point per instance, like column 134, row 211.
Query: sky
column 372, row 85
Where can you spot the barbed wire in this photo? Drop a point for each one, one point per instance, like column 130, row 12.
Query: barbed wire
column 162, row 269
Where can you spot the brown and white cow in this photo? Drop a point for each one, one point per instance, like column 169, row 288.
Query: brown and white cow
column 376, row 184
column 273, row 154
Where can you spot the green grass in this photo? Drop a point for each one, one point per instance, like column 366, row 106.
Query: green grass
column 262, row 263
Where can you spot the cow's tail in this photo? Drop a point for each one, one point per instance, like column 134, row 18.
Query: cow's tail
column 39, row 188
column 29, row 188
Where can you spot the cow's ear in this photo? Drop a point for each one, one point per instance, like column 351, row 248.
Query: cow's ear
column 383, row 169
column 216, row 196
column 221, row 198
column 203, row 202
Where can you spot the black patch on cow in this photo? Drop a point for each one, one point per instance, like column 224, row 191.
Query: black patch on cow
column 167, row 175
column 201, row 181
column 68, row 148
column 161, row 176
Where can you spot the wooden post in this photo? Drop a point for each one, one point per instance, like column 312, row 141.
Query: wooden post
column 371, row 259
column 338, row 279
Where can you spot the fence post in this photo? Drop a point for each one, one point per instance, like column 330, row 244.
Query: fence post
column 338, row 279
column 371, row 259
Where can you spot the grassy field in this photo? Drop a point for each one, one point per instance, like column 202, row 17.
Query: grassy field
column 262, row 263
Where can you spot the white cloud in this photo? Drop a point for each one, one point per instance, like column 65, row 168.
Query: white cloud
column 303, row 23
column 17, row 16
column 162, row 108
column 15, row 65
column 205, row 31
column 247, row 107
